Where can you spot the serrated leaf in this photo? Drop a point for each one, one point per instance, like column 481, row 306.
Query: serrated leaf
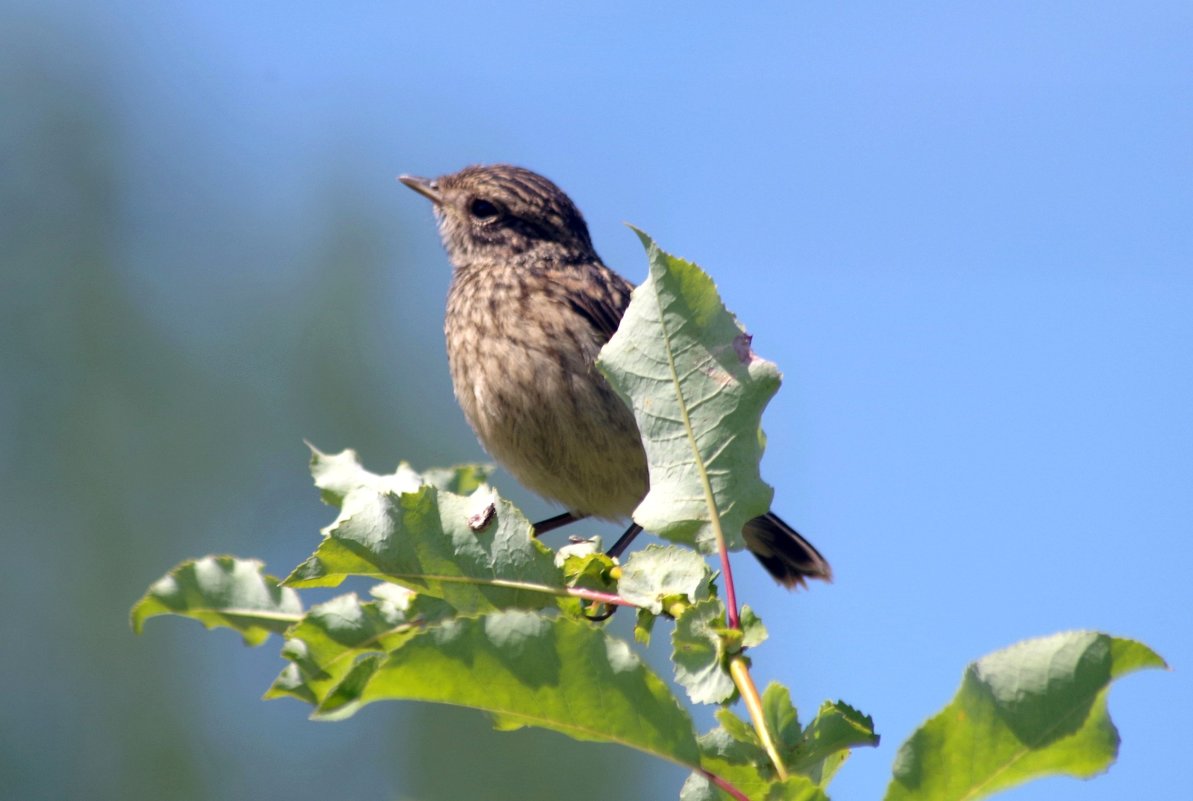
column 685, row 367
column 530, row 670
column 462, row 479
column 732, row 752
column 222, row 591
column 425, row 540
column 698, row 652
column 325, row 644
column 824, row 744
column 337, row 474
column 733, row 749
column 659, row 572
column 1035, row 708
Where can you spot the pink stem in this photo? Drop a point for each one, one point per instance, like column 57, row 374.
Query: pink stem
column 724, row 785
column 730, row 594
column 599, row 597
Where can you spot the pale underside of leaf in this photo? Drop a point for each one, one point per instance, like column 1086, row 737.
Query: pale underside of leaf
column 684, row 365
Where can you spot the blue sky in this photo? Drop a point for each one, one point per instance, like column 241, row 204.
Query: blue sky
column 963, row 232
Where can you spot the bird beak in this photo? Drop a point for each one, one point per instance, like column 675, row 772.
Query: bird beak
column 424, row 186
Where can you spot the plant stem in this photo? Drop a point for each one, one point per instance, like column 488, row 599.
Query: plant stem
column 724, row 785
column 599, row 597
column 574, row 592
column 727, row 572
column 740, row 672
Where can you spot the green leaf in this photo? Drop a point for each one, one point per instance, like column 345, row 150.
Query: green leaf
column 699, row 650
column 476, row 553
column 658, row 573
column 732, row 752
column 752, row 631
column 1035, row 708
column 530, row 670
column 581, row 549
column 337, row 474
column 743, row 733
column 222, row 591
column 585, row 568
column 744, row 778
column 685, row 367
column 825, row 743
column 462, row 479
column 782, row 721
column 643, row 626
column 816, row 752
column 326, row 643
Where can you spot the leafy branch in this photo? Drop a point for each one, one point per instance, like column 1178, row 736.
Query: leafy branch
column 683, row 364
column 468, row 608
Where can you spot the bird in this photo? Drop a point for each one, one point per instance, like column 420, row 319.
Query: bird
column 529, row 307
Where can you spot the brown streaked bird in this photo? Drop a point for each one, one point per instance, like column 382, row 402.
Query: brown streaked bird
column 529, row 308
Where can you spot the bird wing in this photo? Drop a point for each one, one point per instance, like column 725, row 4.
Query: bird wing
column 602, row 301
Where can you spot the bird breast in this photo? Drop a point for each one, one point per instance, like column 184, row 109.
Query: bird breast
column 523, row 369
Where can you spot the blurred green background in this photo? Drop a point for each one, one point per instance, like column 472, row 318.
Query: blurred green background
column 159, row 376
column 962, row 230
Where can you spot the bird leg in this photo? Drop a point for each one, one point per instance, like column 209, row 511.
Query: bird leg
column 561, row 520
column 552, row 523
column 624, row 540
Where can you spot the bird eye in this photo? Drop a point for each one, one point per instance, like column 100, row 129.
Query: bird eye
column 482, row 210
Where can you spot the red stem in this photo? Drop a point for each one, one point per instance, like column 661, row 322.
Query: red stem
column 724, row 785
column 730, row 594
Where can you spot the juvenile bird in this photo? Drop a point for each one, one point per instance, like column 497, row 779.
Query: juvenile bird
column 529, row 308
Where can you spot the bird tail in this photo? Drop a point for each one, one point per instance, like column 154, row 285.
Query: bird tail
column 783, row 552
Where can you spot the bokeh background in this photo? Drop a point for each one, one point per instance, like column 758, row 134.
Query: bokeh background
column 965, row 232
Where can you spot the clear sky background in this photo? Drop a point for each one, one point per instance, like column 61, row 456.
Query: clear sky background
column 964, row 232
